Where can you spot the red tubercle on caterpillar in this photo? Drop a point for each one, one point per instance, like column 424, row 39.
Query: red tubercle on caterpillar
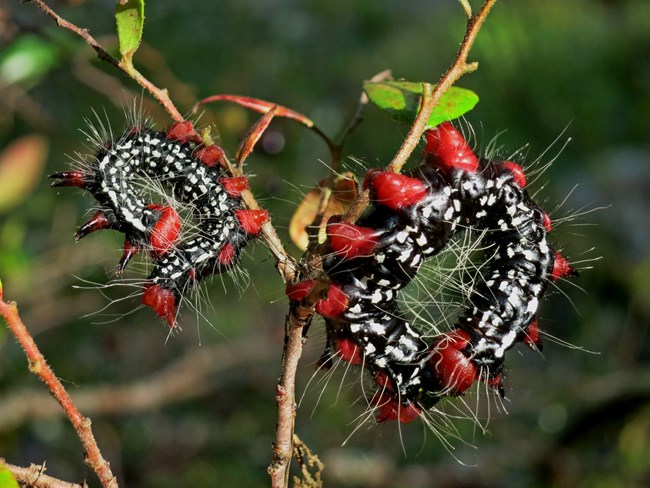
column 211, row 155
column 183, row 132
column 162, row 301
column 97, row 222
column 455, row 371
column 518, row 174
column 349, row 351
column 561, row 268
column 334, row 305
column 252, row 220
column 390, row 408
column 234, row 185
column 351, row 241
column 165, row 232
column 226, row 255
column 531, row 336
column 70, row 178
column 299, row 291
column 394, row 190
column 129, row 250
column 447, row 148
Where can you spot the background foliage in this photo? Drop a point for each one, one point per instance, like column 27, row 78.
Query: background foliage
column 575, row 419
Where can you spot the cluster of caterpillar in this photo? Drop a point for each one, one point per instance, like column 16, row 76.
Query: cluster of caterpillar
column 179, row 161
column 413, row 216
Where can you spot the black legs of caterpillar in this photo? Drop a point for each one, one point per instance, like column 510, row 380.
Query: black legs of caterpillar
column 413, row 217
column 180, row 161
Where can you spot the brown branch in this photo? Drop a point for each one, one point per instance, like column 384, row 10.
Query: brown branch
column 159, row 94
column 35, row 477
column 431, row 98
column 39, row 366
column 285, row 396
column 298, row 318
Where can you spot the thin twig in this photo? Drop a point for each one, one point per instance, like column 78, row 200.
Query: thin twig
column 35, row 477
column 455, row 71
column 159, row 94
column 39, row 366
column 299, row 317
column 412, row 139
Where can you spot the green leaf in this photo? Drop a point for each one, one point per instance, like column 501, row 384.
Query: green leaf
column 401, row 101
column 129, row 16
column 7, row 479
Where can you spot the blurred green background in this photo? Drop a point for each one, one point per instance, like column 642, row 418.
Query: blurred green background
column 198, row 408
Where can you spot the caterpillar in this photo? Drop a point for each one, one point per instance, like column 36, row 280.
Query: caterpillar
column 179, row 161
column 412, row 217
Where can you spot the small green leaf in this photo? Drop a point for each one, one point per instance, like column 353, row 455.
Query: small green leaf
column 7, row 479
column 129, row 15
column 401, row 101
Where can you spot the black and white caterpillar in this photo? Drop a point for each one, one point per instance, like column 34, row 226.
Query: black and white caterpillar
column 179, row 161
column 414, row 216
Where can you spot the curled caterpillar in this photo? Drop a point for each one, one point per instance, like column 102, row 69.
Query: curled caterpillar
column 414, row 216
column 180, row 161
